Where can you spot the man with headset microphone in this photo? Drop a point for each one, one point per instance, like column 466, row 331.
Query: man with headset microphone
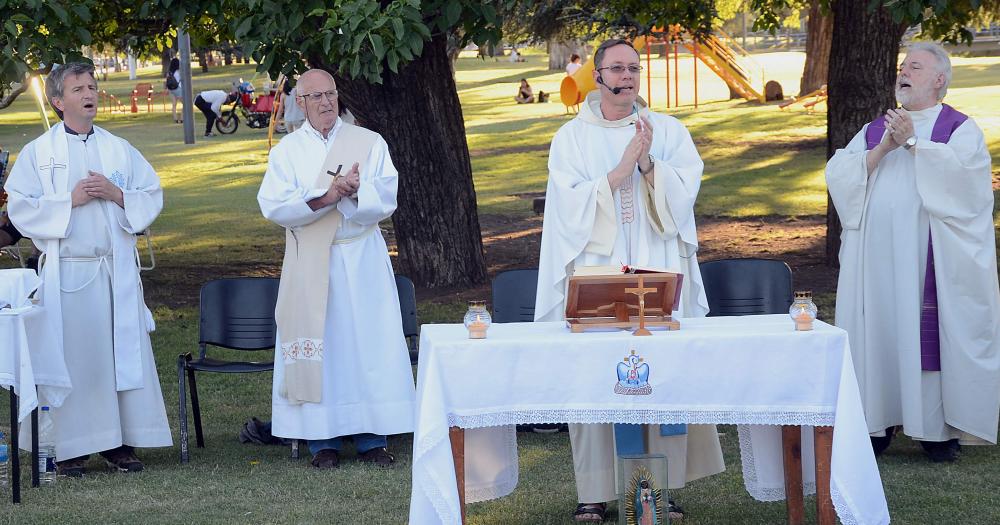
column 622, row 187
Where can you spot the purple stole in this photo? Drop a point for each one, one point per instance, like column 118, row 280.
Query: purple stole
column 930, row 342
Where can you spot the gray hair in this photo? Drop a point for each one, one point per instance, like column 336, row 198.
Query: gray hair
column 943, row 62
column 54, row 82
column 608, row 44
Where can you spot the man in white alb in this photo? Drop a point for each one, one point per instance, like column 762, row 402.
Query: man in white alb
column 341, row 363
column 918, row 292
column 622, row 186
column 82, row 194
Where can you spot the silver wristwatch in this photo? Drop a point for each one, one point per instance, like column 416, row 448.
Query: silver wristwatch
column 652, row 163
column 910, row 142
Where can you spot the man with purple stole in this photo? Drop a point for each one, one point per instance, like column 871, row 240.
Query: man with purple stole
column 918, row 291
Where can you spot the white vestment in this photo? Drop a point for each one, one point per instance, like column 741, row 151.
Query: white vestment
column 587, row 224
column 367, row 379
column 91, row 286
column 944, row 189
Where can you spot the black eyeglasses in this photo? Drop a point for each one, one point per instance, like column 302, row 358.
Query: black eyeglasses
column 618, row 69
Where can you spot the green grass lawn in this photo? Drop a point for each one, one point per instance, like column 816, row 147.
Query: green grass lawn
column 759, row 161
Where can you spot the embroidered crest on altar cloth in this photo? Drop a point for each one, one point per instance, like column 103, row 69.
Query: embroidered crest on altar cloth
column 633, row 376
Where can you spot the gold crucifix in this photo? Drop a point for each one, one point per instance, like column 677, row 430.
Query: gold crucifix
column 641, row 292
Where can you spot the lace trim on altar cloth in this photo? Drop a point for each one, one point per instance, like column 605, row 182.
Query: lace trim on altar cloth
column 641, row 417
column 498, row 488
column 843, row 509
column 506, row 482
column 750, row 480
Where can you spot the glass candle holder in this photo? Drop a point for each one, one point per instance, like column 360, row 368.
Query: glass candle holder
column 477, row 320
column 803, row 311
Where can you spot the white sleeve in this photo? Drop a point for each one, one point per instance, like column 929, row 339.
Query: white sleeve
column 676, row 183
column 143, row 196
column 36, row 215
column 847, row 180
column 282, row 200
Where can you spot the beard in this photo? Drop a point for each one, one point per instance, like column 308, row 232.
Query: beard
column 907, row 97
column 902, row 97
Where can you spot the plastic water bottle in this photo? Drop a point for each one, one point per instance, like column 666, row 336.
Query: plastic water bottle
column 4, row 463
column 46, row 448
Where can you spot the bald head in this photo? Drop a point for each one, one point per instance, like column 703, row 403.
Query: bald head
column 316, row 76
column 317, row 96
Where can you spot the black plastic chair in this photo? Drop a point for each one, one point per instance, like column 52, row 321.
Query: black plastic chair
column 408, row 312
column 237, row 314
column 514, row 296
column 747, row 287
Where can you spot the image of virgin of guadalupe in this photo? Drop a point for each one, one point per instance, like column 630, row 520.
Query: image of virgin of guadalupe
column 643, row 502
column 645, row 505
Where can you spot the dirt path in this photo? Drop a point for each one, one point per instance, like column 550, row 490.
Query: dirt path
column 514, row 243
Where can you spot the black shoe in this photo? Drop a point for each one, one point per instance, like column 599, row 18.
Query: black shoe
column 123, row 459
column 879, row 444
column 942, row 451
column 326, row 459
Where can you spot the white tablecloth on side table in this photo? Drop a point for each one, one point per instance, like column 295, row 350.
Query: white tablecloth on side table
column 31, row 357
column 751, row 370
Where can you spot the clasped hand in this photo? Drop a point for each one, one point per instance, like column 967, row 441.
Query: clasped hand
column 636, row 154
column 899, row 127
column 344, row 185
column 96, row 186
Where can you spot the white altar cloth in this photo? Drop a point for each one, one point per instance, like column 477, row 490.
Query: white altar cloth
column 750, row 370
column 30, row 356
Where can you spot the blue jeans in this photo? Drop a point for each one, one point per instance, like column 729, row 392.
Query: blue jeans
column 363, row 442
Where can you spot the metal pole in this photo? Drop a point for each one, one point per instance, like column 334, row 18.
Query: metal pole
column 677, row 92
column 649, row 76
column 12, row 452
column 187, row 93
column 666, row 62
column 694, row 61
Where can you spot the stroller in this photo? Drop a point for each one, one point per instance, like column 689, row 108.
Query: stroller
column 256, row 110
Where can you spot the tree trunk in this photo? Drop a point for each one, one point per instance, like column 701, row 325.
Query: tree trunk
column 819, row 36
column 453, row 50
column 227, row 56
column 203, row 60
column 559, row 52
column 165, row 57
column 863, row 59
column 418, row 113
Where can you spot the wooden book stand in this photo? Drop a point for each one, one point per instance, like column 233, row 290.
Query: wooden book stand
column 627, row 301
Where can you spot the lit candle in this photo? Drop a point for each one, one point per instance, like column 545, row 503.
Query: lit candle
column 803, row 321
column 477, row 328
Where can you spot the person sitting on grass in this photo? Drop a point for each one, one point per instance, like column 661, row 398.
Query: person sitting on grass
column 524, row 93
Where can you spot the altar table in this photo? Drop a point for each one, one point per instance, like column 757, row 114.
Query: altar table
column 753, row 371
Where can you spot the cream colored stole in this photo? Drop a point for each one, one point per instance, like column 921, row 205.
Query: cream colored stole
column 305, row 278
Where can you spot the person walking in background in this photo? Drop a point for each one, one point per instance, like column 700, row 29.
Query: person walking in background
column 173, row 85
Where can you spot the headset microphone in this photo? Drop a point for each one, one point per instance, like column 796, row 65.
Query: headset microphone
column 600, row 80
